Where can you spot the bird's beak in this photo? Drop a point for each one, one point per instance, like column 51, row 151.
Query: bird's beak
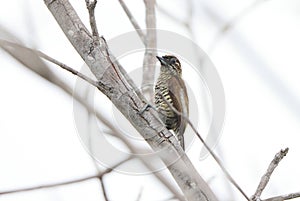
column 162, row 60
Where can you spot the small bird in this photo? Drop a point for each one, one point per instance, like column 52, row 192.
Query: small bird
column 170, row 87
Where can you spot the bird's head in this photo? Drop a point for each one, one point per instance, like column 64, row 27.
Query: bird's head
column 171, row 63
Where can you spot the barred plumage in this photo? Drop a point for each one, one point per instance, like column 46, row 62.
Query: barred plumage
column 171, row 86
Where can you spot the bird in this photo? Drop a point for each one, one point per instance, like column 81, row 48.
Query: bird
column 170, row 87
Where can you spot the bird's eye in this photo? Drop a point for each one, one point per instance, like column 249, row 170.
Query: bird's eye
column 173, row 61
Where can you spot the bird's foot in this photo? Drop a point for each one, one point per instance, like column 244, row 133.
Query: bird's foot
column 146, row 107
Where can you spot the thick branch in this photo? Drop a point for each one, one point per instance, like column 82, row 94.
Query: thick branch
column 124, row 97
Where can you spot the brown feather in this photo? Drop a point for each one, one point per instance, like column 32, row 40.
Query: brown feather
column 177, row 91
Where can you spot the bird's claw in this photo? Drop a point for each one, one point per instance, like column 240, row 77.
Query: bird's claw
column 146, row 107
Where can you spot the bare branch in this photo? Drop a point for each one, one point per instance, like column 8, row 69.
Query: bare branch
column 150, row 51
column 91, row 5
column 122, row 94
column 103, row 188
column 133, row 21
column 65, row 182
column 233, row 22
column 67, row 68
column 139, row 195
column 171, row 15
column 284, row 197
column 50, row 185
column 48, row 58
column 266, row 177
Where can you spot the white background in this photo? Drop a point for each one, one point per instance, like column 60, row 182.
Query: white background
column 257, row 60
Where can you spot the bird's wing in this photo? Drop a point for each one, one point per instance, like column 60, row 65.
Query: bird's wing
column 178, row 93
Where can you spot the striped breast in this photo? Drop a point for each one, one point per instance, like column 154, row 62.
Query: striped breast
column 167, row 115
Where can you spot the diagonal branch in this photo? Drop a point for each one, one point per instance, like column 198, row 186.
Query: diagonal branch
column 67, row 68
column 225, row 28
column 266, row 177
column 122, row 94
column 133, row 21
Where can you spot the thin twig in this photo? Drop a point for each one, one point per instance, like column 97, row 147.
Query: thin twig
column 229, row 177
column 284, row 197
column 67, row 182
column 91, row 5
column 67, row 68
column 133, row 21
column 50, row 185
column 150, row 51
column 171, row 15
column 86, row 121
column 232, row 23
column 140, row 194
column 52, row 60
column 266, row 177
column 103, row 188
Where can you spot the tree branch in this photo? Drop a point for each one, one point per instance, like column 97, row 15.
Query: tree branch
column 123, row 96
column 139, row 195
column 49, row 185
column 150, row 51
column 65, row 182
column 91, row 5
column 103, row 188
column 284, row 197
column 225, row 28
column 133, row 21
column 266, row 177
